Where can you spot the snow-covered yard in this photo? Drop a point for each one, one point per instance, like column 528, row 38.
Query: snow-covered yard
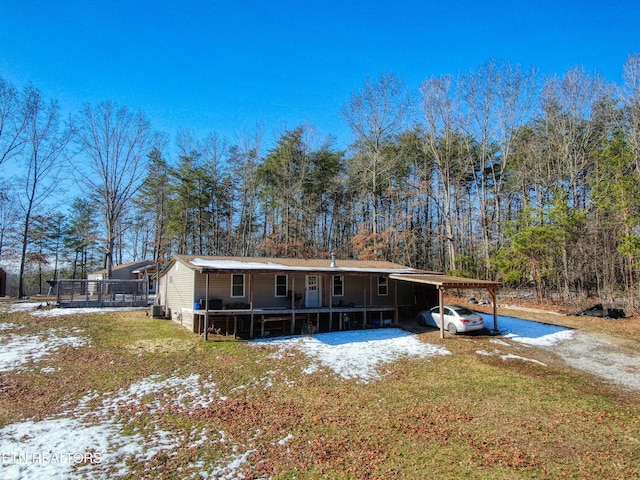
column 88, row 438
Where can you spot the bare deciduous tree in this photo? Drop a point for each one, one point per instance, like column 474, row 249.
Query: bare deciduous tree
column 443, row 144
column 631, row 76
column 497, row 100
column 114, row 143
column 44, row 147
column 14, row 117
column 244, row 158
column 377, row 114
column 9, row 217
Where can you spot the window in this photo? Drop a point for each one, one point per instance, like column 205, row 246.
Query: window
column 383, row 286
column 338, row 285
column 237, row 285
column 281, row 285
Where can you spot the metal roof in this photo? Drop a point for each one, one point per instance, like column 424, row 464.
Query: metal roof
column 137, row 265
column 396, row 271
column 258, row 264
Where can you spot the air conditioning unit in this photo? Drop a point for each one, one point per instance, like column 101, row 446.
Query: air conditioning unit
column 157, row 311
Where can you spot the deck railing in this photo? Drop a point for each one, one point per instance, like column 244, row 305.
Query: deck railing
column 101, row 293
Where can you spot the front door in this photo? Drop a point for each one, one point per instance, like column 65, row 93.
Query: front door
column 312, row 295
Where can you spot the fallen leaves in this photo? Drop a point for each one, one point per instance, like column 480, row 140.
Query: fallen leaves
column 449, row 417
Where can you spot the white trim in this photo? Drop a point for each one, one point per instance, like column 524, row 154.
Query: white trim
column 383, row 282
column 233, row 275
column 317, row 287
column 286, row 285
column 333, row 286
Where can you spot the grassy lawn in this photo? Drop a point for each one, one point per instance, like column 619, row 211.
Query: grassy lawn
column 463, row 415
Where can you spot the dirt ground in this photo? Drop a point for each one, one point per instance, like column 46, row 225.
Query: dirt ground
column 607, row 348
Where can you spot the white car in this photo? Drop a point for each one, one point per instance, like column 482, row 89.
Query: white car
column 456, row 319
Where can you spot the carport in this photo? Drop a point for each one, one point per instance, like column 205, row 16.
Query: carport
column 446, row 282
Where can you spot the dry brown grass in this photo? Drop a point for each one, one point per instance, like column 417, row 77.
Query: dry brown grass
column 461, row 416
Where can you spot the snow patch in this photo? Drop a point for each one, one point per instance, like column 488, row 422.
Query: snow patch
column 59, row 312
column 357, row 353
column 285, row 439
column 10, row 326
column 18, row 350
column 87, row 442
column 524, row 359
column 24, row 306
column 529, row 332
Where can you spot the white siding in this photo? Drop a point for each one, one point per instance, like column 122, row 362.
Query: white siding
column 177, row 294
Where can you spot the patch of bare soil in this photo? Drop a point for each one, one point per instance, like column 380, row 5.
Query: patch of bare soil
column 165, row 345
column 607, row 348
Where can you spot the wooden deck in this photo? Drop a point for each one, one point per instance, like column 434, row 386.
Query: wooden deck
column 285, row 320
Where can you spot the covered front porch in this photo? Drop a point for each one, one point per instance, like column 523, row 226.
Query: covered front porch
column 296, row 301
column 258, row 297
column 261, row 322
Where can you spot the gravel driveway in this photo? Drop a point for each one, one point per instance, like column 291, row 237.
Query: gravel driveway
column 598, row 356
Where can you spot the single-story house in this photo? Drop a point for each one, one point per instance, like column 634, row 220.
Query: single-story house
column 139, row 270
column 261, row 296
column 147, row 272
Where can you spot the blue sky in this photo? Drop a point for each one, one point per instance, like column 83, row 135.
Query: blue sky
column 211, row 66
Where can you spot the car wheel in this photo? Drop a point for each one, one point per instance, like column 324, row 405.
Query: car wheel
column 451, row 328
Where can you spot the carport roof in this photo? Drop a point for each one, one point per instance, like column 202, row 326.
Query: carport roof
column 446, row 281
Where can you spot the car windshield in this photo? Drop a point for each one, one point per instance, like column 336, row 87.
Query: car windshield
column 462, row 311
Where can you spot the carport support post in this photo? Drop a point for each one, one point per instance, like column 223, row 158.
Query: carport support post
column 441, row 291
column 494, row 302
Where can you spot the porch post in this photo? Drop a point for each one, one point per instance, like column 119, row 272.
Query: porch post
column 330, row 288
column 441, row 291
column 293, row 303
column 251, row 291
column 251, row 303
column 364, row 300
column 206, row 303
column 396, row 313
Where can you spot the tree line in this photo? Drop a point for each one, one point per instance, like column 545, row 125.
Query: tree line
column 498, row 173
